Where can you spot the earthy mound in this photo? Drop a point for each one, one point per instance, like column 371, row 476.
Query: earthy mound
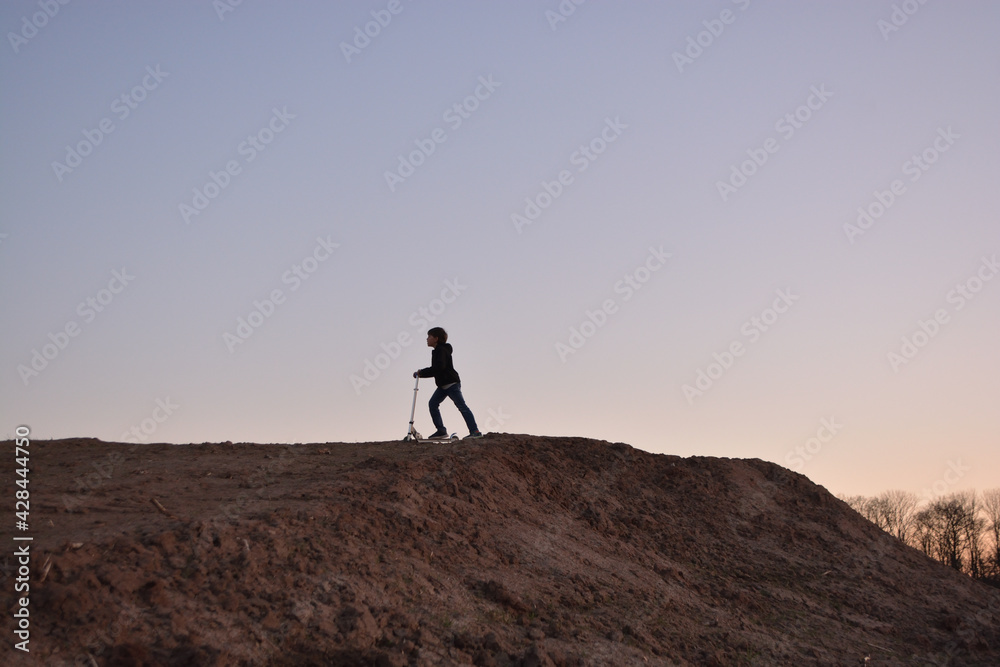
column 511, row 550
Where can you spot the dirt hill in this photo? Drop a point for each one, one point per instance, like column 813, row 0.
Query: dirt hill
column 511, row 550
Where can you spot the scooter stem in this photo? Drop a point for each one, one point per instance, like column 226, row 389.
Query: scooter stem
column 413, row 408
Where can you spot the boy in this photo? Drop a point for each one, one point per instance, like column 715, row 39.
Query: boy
column 448, row 384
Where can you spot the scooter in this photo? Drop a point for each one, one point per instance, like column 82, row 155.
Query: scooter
column 413, row 435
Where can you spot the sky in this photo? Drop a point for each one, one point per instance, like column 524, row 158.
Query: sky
column 733, row 228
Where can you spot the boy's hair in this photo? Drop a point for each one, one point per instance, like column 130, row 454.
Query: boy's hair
column 439, row 333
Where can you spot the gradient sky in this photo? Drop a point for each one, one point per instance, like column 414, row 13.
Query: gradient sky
column 833, row 100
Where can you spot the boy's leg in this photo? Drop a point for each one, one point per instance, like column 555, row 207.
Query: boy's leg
column 435, row 404
column 455, row 394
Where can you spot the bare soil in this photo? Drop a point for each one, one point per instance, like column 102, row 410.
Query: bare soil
column 510, row 550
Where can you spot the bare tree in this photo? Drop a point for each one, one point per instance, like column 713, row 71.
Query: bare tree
column 961, row 530
column 897, row 509
column 877, row 512
column 940, row 533
column 973, row 526
column 991, row 514
column 948, row 530
column 872, row 508
column 924, row 536
column 856, row 503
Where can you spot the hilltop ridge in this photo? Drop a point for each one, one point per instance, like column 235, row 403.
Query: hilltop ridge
column 511, row 550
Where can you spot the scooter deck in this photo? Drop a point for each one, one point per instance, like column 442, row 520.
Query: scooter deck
column 452, row 438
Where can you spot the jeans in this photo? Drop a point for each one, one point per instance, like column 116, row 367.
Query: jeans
column 454, row 392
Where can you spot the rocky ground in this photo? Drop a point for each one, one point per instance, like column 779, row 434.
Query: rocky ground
column 511, row 550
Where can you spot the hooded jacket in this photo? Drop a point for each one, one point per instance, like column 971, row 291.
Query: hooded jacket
column 441, row 368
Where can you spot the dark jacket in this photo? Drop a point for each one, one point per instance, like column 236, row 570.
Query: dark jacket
column 441, row 368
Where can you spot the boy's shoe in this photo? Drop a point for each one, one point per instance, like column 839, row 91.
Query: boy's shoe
column 473, row 436
column 438, row 435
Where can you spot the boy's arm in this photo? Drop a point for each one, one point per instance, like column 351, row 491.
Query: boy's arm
column 430, row 371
